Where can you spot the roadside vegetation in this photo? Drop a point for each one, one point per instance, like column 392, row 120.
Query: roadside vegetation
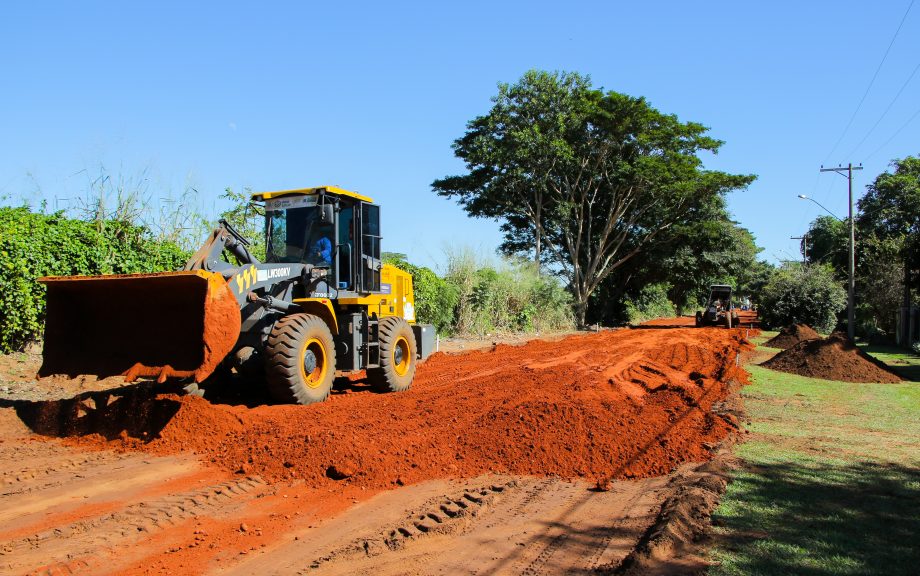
column 887, row 249
column 802, row 294
column 478, row 297
column 830, row 478
column 35, row 244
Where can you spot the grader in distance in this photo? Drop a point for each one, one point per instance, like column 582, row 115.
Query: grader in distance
column 322, row 302
column 719, row 308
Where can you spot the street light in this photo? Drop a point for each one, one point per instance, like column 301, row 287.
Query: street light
column 851, row 283
column 804, row 197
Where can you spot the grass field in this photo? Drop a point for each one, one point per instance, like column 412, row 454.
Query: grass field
column 830, row 480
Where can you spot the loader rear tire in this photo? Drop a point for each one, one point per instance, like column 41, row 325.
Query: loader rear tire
column 300, row 359
column 398, row 353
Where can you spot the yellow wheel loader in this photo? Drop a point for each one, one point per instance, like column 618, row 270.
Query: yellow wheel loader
column 321, row 303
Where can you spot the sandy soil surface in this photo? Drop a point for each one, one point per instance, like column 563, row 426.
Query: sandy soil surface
column 543, row 458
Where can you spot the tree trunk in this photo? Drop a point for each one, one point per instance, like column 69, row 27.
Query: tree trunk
column 905, row 317
column 581, row 310
column 538, row 238
column 537, row 249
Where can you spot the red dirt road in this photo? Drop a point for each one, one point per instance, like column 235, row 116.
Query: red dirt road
column 484, row 443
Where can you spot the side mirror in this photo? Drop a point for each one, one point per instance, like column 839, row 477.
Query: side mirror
column 327, row 214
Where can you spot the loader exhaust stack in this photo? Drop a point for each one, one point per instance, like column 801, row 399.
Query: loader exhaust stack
column 174, row 324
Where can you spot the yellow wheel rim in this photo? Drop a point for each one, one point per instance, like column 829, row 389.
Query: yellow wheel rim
column 313, row 364
column 401, row 356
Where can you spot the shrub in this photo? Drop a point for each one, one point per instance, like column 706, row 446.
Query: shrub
column 652, row 302
column 435, row 298
column 479, row 297
column 508, row 297
column 37, row 244
column 807, row 294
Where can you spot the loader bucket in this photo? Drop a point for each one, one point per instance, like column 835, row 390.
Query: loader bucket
column 173, row 324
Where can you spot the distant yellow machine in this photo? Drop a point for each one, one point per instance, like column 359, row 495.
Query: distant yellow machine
column 321, row 303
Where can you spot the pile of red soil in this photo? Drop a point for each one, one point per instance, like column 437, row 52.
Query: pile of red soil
column 792, row 335
column 617, row 404
column 833, row 358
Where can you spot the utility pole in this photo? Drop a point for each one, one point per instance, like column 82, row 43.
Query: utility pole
column 804, row 240
column 851, row 313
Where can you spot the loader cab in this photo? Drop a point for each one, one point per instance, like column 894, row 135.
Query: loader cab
column 335, row 231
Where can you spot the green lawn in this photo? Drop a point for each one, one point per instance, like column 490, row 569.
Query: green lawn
column 830, row 480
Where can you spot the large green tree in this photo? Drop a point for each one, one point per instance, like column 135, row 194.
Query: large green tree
column 826, row 242
column 583, row 179
column 890, row 214
column 513, row 151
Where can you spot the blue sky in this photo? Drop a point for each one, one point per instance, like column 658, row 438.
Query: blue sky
column 369, row 96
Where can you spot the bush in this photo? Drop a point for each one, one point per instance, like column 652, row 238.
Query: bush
column 509, row 297
column 479, row 298
column 807, row 294
column 651, row 303
column 37, row 244
column 435, row 299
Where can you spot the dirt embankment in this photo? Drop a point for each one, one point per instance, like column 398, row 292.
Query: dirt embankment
column 832, row 358
column 484, row 442
column 618, row 404
column 792, row 335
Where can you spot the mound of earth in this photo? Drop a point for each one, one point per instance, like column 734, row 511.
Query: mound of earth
column 792, row 335
column 833, row 358
column 615, row 404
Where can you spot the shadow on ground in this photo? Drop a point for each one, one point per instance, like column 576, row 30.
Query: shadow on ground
column 862, row 518
column 137, row 411
column 143, row 409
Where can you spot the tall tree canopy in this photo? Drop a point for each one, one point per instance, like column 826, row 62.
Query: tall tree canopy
column 887, row 245
column 583, row 179
column 890, row 210
column 827, row 242
column 889, row 215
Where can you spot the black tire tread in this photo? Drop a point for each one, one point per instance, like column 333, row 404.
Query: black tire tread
column 385, row 377
column 282, row 369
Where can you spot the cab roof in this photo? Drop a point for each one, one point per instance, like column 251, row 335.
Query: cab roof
column 332, row 190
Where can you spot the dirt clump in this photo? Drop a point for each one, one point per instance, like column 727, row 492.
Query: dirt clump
column 832, row 358
column 792, row 335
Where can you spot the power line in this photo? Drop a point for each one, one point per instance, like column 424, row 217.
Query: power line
column 893, row 136
column 871, row 82
column 890, row 104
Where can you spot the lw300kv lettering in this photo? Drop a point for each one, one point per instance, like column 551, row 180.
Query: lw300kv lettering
column 269, row 273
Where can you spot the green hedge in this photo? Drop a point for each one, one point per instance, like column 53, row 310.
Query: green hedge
column 37, row 244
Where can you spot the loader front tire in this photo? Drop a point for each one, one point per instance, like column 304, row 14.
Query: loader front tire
column 300, row 359
column 398, row 353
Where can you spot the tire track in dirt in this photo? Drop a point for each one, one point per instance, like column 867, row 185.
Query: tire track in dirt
column 125, row 526
column 491, row 525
